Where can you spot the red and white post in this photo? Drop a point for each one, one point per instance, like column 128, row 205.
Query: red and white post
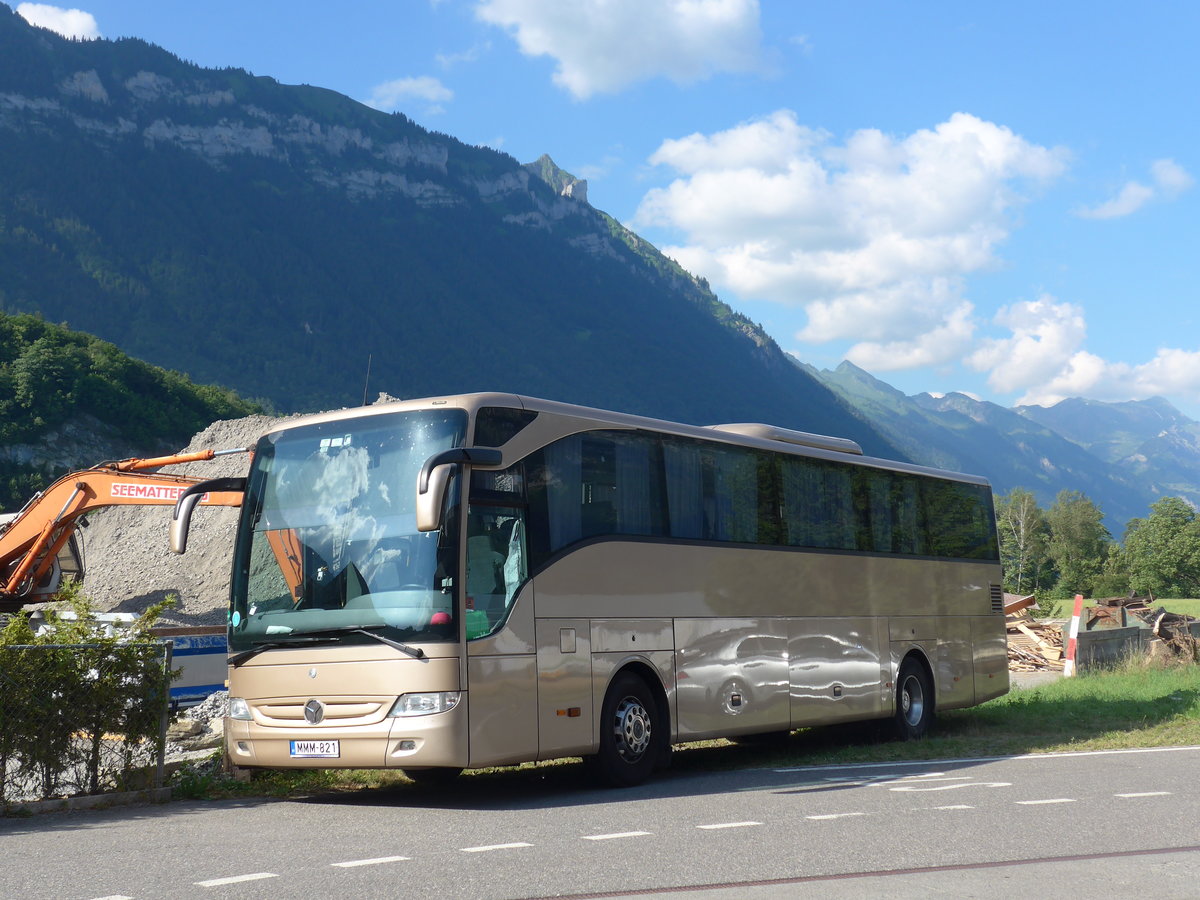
column 1073, row 637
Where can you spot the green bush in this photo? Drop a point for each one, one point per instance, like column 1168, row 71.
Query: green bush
column 81, row 705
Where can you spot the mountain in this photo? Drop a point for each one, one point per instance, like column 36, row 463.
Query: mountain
column 1149, row 440
column 1012, row 448
column 69, row 400
column 299, row 247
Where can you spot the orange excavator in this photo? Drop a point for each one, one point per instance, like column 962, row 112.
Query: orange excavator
column 37, row 545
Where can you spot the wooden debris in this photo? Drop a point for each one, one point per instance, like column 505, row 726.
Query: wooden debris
column 1032, row 646
column 1014, row 603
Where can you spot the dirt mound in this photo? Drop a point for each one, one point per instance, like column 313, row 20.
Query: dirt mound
column 127, row 560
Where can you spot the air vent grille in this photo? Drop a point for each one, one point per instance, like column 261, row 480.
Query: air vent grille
column 997, row 599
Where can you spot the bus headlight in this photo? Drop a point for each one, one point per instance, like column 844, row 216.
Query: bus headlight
column 239, row 709
column 424, row 704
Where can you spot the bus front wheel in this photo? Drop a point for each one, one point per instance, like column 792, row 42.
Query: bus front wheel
column 914, row 701
column 632, row 734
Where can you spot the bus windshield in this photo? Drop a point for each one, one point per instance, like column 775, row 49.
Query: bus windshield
column 329, row 538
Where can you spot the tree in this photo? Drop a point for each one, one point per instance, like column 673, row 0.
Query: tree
column 1162, row 551
column 1078, row 542
column 1024, row 542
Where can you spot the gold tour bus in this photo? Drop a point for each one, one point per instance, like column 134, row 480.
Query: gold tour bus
column 489, row 579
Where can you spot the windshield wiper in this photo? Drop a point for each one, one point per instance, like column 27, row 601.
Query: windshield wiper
column 368, row 630
column 238, row 658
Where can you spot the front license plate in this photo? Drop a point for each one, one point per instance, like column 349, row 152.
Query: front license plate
column 316, row 749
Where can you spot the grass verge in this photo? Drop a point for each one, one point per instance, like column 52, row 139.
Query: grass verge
column 1140, row 704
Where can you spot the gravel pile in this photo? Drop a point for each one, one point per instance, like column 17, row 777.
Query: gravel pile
column 128, row 564
column 215, row 706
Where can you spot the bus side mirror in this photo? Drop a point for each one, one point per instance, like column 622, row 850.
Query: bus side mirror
column 181, row 516
column 435, row 475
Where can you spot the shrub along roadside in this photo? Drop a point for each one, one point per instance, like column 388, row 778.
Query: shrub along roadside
column 82, row 707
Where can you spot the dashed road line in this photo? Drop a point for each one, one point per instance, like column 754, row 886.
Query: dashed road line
column 234, row 879
column 1033, row 757
column 720, row 825
column 959, row 806
column 113, row 897
column 835, row 816
column 615, row 836
column 350, row 864
column 1044, row 802
column 1146, row 794
column 490, row 847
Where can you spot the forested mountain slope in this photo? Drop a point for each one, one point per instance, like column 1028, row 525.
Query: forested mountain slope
column 281, row 239
column 69, row 400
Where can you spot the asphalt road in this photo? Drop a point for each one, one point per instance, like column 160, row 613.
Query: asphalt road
column 1112, row 824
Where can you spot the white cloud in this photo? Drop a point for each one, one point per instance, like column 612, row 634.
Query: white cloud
column 70, row 23
column 470, row 55
column 1044, row 358
column 872, row 237
column 945, row 341
column 392, row 94
column 1170, row 180
column 1132, row 197
column 1046, row 336
column 604, row 46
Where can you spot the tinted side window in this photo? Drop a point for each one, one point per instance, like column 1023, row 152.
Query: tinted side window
column 961, row 521
column 496, row 425
column 817, row 504
column 730, row 494
column 594, row 484
column 685, row 487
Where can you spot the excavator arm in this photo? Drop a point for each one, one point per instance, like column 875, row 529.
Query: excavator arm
column 32, row 540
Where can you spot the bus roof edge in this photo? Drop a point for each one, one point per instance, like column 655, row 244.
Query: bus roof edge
column 788, row 436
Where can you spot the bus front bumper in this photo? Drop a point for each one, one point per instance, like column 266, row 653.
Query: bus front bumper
column 438, row 739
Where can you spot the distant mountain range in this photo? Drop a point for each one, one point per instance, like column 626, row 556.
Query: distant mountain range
column 304, row 249
column 1124, row 456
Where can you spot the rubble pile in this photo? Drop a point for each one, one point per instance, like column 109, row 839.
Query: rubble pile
column 201, row 728
column 1037, row 646
column 1173, row 632
column 1032, row 645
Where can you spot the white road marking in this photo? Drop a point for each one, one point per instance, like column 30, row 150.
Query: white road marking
column 234, row 879
column 728, row 825
column 1044, row 802
column 834, row 816
column 914, row 789
column 979, row 759
column 960, row 806
column 368, row 862
column 1146, row 794
column 114, row 897
column 619, row 834
column 921, row 778
column 495, row 847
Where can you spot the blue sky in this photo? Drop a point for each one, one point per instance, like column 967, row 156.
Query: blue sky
column 993, row 198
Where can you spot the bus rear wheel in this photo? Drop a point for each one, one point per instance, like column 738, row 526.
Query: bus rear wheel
column 632, row 733
column 914, row 701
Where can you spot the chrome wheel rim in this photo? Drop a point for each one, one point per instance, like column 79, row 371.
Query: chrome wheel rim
column 912, row 700
column 632, row 729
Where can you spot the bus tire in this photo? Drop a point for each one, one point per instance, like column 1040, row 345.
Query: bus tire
column 633, row 735
column 914, row 701
column 435, row 777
